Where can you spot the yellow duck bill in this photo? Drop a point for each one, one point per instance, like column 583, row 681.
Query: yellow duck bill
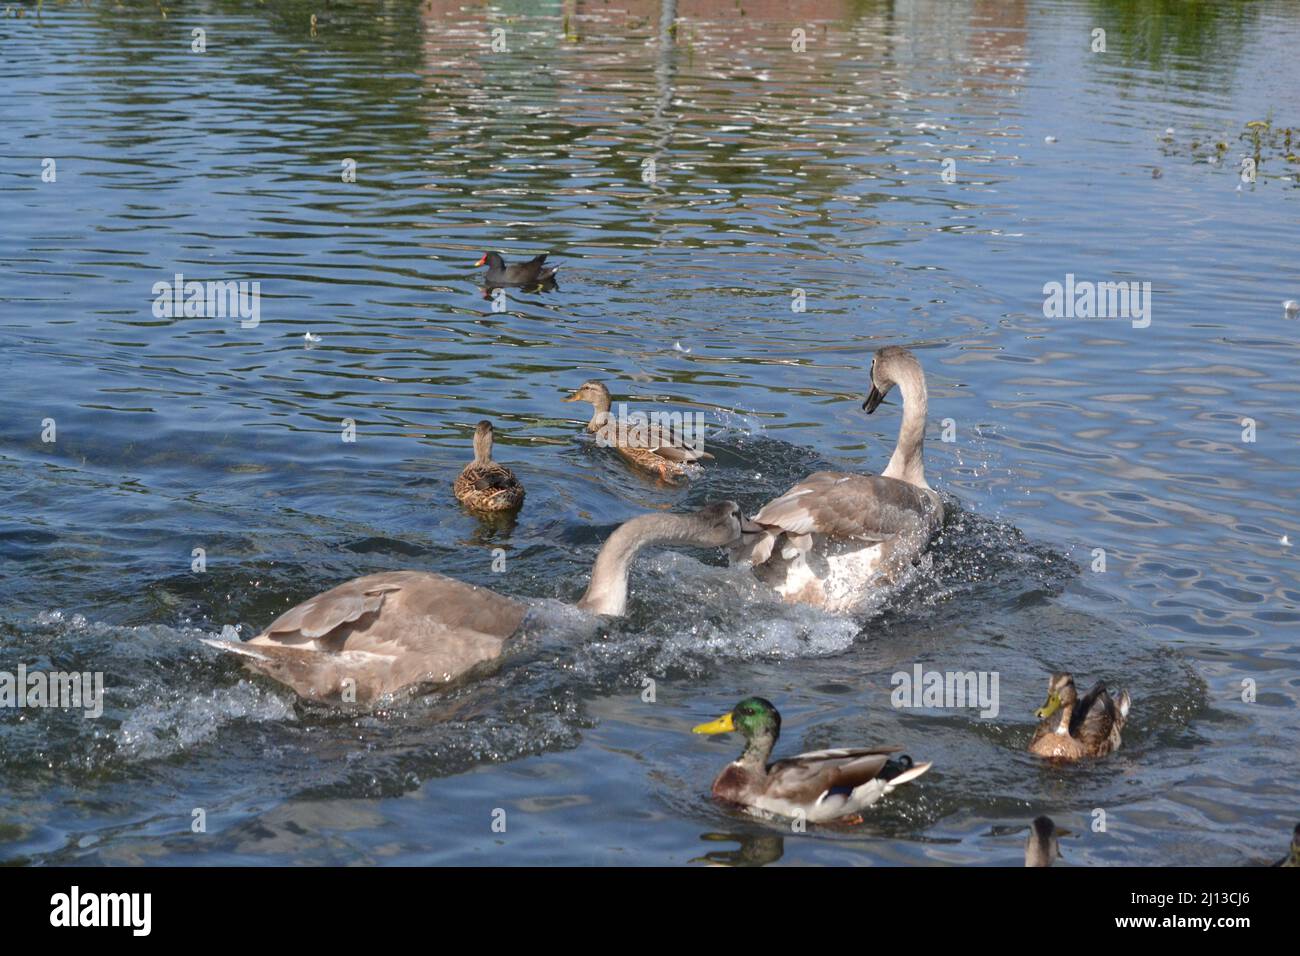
column 1048, row 709
column 723, row 725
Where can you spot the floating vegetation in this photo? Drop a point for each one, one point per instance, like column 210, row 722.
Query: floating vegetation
column 1258, row 142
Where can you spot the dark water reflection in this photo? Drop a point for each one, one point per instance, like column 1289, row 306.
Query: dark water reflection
column 774, row 171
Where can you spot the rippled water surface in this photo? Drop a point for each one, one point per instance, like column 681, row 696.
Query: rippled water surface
column 774, row 171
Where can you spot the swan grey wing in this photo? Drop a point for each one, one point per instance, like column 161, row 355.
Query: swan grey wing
column 404, row 597
column 457, row 606
column 845, row 505
column 318, row 616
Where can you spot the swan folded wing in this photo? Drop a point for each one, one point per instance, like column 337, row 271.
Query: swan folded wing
column 805, row 778
column 845, row 505
column 326, row 612
column 382, row 633
column 394, row 607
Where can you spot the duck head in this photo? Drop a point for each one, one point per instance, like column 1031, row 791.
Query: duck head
column 1042, row 848
column 756, row 719
column 1060, row 693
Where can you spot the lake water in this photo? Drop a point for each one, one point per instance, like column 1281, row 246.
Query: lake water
column 773, row 171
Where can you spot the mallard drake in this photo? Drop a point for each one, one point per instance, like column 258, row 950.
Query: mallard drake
column 1042, row 848
column 1087, row 727
column 1292, row 858
column 522, row 274
column 484, row 485
column 820, row 787
column 644, row 443
column 835, row 536
column 382, row 633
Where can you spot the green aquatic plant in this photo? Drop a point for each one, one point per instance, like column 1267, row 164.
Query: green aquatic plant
column 1263, row 140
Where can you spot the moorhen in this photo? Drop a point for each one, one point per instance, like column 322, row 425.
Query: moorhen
column 521, row 274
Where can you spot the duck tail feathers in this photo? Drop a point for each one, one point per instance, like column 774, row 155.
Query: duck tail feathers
column 908, row 775
column 1124, row 703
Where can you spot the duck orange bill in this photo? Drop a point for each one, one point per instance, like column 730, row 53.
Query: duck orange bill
column 723, row 725
column 481, row 261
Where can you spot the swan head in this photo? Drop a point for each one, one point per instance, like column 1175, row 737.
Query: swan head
column 1042, row 847
column 890, row 366
column 594, row 392
column 1060, row 693
column 721, row 524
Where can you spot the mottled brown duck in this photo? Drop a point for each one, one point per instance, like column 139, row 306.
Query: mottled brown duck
column 484, row 485
column 641, row 441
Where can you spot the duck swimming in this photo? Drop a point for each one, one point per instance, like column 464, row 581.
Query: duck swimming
column 835, row 536
column 645, row 444
column 822, row 786
column 484, row 485
column 524, row 275
column 1088, row 726
column 1042, row 847
column 382, row 633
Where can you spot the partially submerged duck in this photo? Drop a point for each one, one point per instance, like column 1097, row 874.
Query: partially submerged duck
column 836, row 536
column 485, row 485
column 1292, row 858
column 524, row 275
column 822, row 786
column 643, row 443
column 1042, row 847
column 382, row 633
column 1087, row 726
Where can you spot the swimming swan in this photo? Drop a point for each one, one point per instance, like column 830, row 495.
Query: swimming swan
column 378, row 634
column 835, row 536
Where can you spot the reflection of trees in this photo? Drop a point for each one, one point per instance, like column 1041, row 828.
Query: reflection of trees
column 1179, row 34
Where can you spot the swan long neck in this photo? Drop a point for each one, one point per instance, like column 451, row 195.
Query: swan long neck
column 906, row 463
column 607, row 593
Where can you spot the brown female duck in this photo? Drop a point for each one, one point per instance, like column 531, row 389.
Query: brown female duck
column 642, row 443
column 485, row 485
column 1087, row 726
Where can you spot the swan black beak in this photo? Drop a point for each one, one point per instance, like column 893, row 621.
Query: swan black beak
column 749, row 527
column 873, row 400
